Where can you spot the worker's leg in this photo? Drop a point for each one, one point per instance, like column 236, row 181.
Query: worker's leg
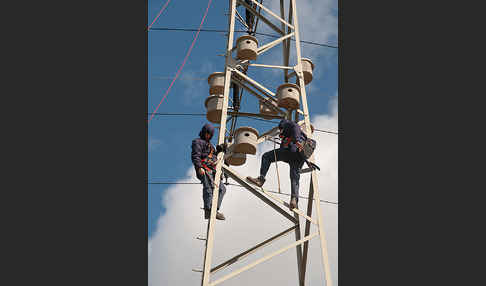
column 249, row 16
column 269, row 157
column 295, row 166
column 208, row 191
column 222, row 192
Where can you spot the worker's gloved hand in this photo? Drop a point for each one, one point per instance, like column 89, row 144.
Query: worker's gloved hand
column 222, row 147
column 201, row 171
column 300, row 146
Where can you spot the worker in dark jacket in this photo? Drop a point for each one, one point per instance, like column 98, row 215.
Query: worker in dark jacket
column 204, row 157
column 292, row 141
column 249, row 17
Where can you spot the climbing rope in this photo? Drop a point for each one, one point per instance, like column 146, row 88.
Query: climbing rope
column 160, row 12
column 183, row 63
column 276, row 166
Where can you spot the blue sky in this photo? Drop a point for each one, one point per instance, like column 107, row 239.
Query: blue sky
column 170, row 136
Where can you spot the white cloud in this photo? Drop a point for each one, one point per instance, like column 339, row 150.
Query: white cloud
column 195, row 81
column 174, row 251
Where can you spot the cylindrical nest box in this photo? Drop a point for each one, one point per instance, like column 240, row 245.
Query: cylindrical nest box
column 214, row 106
column 235, row 159
column 216, row 83
column 288, row 96
column 264, row 110
column 247, row 47
column 307, row 68
column 245, row 140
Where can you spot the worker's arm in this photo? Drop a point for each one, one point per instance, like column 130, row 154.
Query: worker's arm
column 296, row 136
column 196, row 154
column 221, row 148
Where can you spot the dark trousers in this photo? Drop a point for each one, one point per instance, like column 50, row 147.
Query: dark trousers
column 293, row 159
column 248, row 15
column 208, row 184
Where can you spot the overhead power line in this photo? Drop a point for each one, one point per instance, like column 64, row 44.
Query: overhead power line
column 203, row 114
column 236, row 185
column 330, row 132
column 184, row 77
column 175, row 114
column 160, row 12
column 239, row 31
column 185, row 59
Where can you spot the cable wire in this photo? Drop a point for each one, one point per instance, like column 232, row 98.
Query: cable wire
column 240, row 31
column 330, row 132
column 185, row 59
column 236, row 185
column 160, row 12
column 203, row 114
column 183, row 114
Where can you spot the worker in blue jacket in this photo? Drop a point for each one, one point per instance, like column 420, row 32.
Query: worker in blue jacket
column 292, row 141
column 204, row 157
column 249, row 17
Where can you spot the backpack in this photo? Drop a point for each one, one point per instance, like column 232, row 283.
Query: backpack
column 308, row 148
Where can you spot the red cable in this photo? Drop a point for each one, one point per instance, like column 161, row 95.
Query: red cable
column 162, row 10
column 183, row 63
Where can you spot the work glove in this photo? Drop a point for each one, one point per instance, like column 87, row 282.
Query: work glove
column 222, row 147
column 299, row 145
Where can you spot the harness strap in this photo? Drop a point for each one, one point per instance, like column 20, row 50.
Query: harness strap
column 285, row 141
column 276, row 165
column 203, row 161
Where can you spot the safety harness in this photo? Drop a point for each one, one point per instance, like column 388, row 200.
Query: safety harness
column 285, row 140
column 307, row 149
column 209, row 161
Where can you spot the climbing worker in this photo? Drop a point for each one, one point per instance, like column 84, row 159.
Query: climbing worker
column 292, row 144
column 249, row 17
column 204, row 157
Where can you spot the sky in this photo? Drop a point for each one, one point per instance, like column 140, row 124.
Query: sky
column 174, row 215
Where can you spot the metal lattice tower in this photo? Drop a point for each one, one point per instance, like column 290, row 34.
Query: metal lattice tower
column 233, row 75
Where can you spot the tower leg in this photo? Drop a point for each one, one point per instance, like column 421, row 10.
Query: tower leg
column 222, row 131
column 314, row 185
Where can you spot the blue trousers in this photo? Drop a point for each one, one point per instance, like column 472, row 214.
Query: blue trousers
column 248, row 15
column 208, row 184
column 293, row 159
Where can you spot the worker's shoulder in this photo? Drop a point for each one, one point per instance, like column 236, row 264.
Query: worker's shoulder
column 292, row 124
column 198, row 141
column 201, row 142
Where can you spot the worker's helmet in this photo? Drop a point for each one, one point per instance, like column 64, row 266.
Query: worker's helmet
column 282, row 123
column 207, row 128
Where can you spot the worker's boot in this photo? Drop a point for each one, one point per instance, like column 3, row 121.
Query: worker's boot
column 207, row 214
column 220, row 216
column 293, row 203
column 259, row 181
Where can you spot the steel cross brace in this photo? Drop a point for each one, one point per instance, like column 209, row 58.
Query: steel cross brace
column 261, row 17
column 265, row 258
column 251, row 250
column 265, row 100
column 235, row 176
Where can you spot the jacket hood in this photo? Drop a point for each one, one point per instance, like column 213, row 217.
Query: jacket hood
column 282, row 123
column 207, row 128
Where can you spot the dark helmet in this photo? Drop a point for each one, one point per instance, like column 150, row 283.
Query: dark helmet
column 207, row 128
column 282, row 123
